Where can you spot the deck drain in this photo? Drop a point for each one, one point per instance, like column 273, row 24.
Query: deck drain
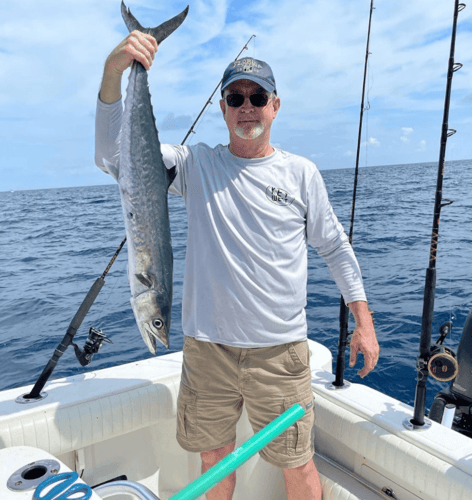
column 33, row 474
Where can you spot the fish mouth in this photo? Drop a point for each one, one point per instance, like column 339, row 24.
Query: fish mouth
column 152, row 315
column 152, row 335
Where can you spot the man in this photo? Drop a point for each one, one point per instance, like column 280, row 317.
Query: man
column 252, row 209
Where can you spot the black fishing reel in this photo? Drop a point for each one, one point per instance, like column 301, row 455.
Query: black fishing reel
column 92, row 346
column 459, row 393
column 442, row 364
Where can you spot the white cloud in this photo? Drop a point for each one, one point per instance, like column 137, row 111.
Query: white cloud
column 172, row 122
column 406, row 131
column 371, row 142
column 52, row 55
column 49, row 52
column 207, row 20
column 326, row 70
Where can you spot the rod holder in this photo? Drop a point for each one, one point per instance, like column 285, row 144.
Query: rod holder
column 448, row 415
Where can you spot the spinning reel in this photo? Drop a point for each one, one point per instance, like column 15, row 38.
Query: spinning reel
column 92, row 346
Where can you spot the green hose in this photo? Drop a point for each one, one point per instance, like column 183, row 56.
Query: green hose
column 240, row 455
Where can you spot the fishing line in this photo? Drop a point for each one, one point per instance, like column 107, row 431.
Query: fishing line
column 452, row 318
column 366, row 273
column 196, row 128
column 367, row 136
column 370, row 78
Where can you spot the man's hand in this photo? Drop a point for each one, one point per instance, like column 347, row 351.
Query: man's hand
column 136, row 46
column 363, row 339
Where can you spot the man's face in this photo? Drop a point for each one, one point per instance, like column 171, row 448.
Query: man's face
column 248, row 121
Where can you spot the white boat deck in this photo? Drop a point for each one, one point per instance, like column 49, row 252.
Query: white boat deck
column 121, row 421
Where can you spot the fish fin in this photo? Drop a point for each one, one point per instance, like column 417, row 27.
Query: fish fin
column 146, row 279
column 111, row 168
column 165, row 29
column 171, row 174
column 131, row 22
column 161, row 32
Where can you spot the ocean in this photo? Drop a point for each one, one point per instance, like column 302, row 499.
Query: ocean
column 54, row 243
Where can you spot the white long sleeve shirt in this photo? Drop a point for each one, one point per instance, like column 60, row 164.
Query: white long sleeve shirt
column 249, row 224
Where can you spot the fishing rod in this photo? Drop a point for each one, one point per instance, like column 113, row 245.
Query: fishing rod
column 343, row 308
column 424, row 355
column 96, row 337
column 92, row 345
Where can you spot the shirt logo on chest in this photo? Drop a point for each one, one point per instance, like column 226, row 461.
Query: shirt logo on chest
column 278, row 196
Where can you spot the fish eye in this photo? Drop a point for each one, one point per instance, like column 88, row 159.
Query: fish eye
column 157, row 323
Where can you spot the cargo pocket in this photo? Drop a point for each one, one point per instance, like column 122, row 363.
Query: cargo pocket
column 300, row 356
column 187, row 413
column 300, row 435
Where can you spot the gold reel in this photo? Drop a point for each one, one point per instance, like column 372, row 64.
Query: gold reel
column 442, row 364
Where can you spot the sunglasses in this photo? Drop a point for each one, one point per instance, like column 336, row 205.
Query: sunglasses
column 236, row 100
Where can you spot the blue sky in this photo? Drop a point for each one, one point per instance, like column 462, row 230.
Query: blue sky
column 52, row 55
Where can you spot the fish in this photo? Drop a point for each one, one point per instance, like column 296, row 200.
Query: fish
column 144, row 181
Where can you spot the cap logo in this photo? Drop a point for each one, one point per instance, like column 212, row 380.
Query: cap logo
column 247, row 65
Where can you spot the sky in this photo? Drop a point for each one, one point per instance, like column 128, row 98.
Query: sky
column 52, row 54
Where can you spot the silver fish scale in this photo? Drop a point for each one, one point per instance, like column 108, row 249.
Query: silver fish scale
column 143, row 181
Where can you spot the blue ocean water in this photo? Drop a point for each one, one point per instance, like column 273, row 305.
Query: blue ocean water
column 54, row 243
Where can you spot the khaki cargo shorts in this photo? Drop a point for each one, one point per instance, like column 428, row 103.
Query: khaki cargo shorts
column 217, row 380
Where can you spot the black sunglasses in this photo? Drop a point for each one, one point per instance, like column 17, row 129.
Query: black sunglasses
column 257, row 100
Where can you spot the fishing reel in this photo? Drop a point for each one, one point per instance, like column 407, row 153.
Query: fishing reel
column 442, row 364
column 92, row 346
column 459, row 394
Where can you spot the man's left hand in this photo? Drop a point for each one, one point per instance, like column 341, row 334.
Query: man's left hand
column 363, row 339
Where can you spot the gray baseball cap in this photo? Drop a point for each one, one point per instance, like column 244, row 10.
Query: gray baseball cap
column 249, row 69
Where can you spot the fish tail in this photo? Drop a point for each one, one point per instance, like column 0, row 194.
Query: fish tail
column 161, row 32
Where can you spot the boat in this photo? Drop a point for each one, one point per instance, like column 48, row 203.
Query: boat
column 110, row 433
column 120, row 423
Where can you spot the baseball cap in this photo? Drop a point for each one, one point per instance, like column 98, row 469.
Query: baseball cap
column 249, row 69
